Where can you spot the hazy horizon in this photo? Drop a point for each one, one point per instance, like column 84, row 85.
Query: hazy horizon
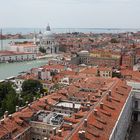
column 70, row 13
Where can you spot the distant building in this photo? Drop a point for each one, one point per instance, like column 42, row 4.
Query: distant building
column 82, row 57
column 27, row 47
column 11, row 56
column 47, row 41
column 128, row 60
column 98, row 58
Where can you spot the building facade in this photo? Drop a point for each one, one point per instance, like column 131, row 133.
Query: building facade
column 47, row 41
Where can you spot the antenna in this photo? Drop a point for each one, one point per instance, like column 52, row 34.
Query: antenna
column 1, row 40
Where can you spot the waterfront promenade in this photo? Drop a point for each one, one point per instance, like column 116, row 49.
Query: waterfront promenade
column 13, row 69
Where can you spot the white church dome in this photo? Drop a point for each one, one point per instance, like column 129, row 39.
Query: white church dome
column 48, row 33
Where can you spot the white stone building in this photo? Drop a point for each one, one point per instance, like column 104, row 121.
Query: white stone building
column 28, row 47
column 11, row 56
column 48, row 42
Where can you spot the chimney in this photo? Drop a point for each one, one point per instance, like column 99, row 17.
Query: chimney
column 85, row 122
column 109, row 92
column 34, row 98
column 70, row 126
column 110, row 99
column 17, row 108
column 10, row 116
column 88, row 106
column 2, row 121
column 46, row 101
column 101, row 105
column 107, row 97
column 26, row 103
column 95, row 111
column 44, row 93
column 100, row 93
column 82, row 134
column 5, row 114
column 29, row 105
column 88, row 97
column 59, row 133
column 54, row 131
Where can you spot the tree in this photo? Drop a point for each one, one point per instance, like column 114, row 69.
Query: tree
column 42, row 50
column 32, row 86
column 9, row 103
column 114, row 40
column 5, row 89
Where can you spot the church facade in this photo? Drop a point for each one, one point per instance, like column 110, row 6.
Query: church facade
column 47, row 41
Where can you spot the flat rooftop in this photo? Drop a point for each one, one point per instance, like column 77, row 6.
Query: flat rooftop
column 68, row 105
column 50, row 118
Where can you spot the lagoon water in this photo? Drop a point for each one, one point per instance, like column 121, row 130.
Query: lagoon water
column 13, row 69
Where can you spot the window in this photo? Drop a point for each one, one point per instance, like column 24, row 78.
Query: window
column 136, row 104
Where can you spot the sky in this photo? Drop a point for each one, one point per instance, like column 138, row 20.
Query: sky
column 70, row 13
